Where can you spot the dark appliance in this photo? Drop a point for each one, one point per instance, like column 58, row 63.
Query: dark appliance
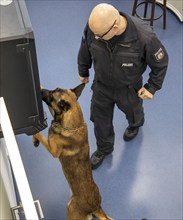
column 19, row 76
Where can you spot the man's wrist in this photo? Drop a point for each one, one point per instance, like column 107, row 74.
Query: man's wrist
column 150, row 88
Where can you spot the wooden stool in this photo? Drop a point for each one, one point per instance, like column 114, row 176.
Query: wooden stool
column 152, row 18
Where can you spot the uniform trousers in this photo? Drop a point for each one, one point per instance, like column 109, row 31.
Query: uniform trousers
column 103, row 101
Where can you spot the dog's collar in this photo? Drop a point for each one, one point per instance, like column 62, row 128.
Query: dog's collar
column 56, row 127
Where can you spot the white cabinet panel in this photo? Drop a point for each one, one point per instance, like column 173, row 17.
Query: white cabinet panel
column 17, row 165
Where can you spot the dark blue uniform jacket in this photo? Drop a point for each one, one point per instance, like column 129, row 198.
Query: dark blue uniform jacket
column 122, row 60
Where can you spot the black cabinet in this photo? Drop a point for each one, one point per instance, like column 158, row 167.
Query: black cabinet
column 19, row 76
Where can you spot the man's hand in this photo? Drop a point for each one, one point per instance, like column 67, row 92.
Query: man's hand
column 84, row 79
column 144, row 94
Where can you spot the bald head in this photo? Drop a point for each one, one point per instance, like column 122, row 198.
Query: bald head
column 102, row 17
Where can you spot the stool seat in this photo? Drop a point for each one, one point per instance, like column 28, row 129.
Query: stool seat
column 153, row 4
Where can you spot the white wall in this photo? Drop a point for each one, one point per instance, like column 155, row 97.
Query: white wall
column 5, row 212
column 7, row 193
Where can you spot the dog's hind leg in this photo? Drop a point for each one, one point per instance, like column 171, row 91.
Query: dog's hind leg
column 101, row 215
column 73, row 213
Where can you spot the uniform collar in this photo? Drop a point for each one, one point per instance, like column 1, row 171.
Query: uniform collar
column 130, row 33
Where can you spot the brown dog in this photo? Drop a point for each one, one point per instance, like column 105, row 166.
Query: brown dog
column 68, row 141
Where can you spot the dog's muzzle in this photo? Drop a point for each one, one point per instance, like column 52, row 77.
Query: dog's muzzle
column 47, row 96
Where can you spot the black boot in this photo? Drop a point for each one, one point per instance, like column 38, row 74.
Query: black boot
column 97, row 159
column 130, row 133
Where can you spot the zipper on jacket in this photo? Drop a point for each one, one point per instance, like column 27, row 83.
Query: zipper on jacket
column 111, row 59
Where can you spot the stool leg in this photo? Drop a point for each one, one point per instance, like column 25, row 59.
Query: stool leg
column 164, row 14
column 152, row 12
column 134, row 7
column 145, row 9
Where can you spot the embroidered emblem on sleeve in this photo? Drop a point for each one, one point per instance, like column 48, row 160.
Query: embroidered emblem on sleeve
column 159, row 55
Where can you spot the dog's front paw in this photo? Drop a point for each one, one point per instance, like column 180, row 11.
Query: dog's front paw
column 35, row 141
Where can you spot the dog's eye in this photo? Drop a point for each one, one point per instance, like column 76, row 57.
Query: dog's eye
column 61, row 104
column 65, row 106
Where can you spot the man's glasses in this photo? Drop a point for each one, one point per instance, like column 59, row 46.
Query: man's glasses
column 101, row 36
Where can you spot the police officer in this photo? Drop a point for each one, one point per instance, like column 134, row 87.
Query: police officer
column 120, row 47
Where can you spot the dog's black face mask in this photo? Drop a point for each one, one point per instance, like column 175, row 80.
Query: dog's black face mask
column 47, row 96
column 53, row 98
column 60, row 100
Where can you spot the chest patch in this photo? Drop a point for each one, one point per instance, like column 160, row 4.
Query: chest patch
column 127, row 64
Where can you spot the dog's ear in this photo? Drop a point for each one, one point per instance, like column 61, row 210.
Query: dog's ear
column 78, row 90
column 65, row 106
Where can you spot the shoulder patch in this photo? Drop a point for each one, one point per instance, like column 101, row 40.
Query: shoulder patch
column 159, row 55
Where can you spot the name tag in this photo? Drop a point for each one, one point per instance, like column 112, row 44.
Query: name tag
column 127, row 64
